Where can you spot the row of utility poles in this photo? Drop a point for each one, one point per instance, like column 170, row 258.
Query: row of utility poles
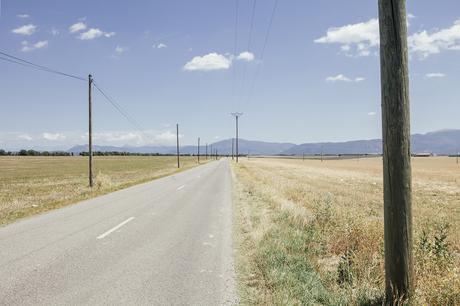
column 90, row 138
column 397, row 181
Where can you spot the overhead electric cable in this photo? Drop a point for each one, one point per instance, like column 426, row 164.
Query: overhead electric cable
column 264, row 47
column 23, row 62
column 119, row 108
column 235, row 48
column 251, row 28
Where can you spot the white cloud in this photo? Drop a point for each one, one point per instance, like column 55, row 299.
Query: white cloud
column 167, row 136
column 371, row 113
column 361, row 39
column 28, row 30
column 95, row 33
column 88, row 34
column 120, row 50
column 434, row 75
column 119, row 137
column 77, row 27
column 25, row 137
column 246, row 56
column 161, row 46
column 53, row 137
column 360, row 36
column 138, row 138
column 23, row 16
column 343, row 78
column 425, row 44
column 211, row 61
column 26, row 47
column 65, row 140
column 54, row 32
column 338, row 78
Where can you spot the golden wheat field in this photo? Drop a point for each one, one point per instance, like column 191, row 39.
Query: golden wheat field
column 311, row 232
column 31, row 185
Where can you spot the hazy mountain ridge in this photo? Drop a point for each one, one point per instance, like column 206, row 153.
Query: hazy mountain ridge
column 439, row 142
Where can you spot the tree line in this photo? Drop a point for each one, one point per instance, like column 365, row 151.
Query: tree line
column 34, row 153
column 63, row 153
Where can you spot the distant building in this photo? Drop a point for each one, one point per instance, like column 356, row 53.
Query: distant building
column 422, row 154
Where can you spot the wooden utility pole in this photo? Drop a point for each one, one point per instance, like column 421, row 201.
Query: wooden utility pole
column 321, row 153
column 206, row 151
column 177, row 145
column 397, row 181
column 303, row 156
column 237, row 115
column 198, row 150
column 90, row 131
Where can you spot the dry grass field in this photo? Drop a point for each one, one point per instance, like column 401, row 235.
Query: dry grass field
column 311, row 233
column 30, row 185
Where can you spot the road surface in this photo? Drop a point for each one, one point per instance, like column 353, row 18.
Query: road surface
column 166, row 242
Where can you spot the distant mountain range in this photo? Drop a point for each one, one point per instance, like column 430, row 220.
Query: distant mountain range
column 440, row 142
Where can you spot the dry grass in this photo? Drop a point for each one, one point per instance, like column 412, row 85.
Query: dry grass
column 312, row 233
column 30, row 185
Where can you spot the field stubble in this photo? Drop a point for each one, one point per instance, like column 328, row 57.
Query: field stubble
column 30, row 185
column 312, row 233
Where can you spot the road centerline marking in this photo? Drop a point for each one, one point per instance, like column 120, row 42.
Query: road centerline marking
column 115, row 228
column 181, row 187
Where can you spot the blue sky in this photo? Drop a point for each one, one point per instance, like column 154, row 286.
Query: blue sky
column 175, row 61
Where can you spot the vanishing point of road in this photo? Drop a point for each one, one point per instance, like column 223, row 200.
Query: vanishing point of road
column 166, row 242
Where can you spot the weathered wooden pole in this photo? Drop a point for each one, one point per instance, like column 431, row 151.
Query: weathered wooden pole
column 237, row 115
column 177, row 145
column 397, row 181
column 237, row 152
column 198, row 153
column 90, row 132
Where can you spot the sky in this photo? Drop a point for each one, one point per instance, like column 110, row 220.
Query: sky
column 300, row 71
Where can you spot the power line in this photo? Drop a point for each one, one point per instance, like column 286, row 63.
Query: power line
column 19, row 61
column 13, row 61
column 16, row 60
column 251, row 90
column 251, row 28
column 235, row 50
column 252, row 23
column 119, row 108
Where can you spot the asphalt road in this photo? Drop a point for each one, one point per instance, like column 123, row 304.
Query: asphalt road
column 167, row 242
